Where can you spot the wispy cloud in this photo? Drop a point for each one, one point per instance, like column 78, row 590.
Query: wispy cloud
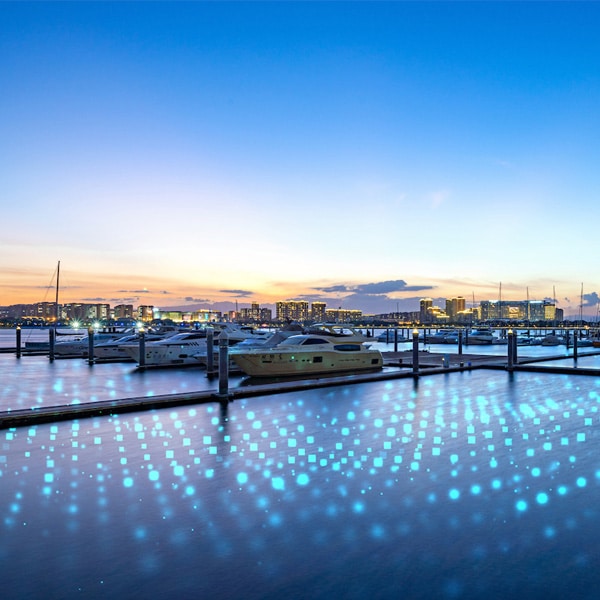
column 438, row 198
column 377, row 288
column 238, row 293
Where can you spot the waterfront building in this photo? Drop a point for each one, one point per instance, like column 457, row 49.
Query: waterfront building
column 424, row 312
column 295, row 310
column 123, row 311
column 550, row 311
column 145, row 312
column 317, row 311
column 342, row 315
column 454, row 306
column 205, row 315
column 265, row 315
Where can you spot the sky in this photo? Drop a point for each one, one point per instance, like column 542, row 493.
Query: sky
column 365, row 154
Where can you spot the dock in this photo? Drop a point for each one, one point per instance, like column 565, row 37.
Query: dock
column 397, row 365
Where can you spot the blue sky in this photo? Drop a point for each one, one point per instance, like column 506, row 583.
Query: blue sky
column 365, row 154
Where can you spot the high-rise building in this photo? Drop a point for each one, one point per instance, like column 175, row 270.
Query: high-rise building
column 145, row 312
column 294, row 310
column 317, row 311
column 424, row 312
column 454, row 306
column 124, row 311
column 342, row 315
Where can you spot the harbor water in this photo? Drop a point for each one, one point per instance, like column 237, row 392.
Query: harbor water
column 476, row 484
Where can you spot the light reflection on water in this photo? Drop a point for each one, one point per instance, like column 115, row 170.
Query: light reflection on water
column 461, row 485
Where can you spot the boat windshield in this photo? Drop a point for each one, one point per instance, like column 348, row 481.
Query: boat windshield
column 303, row 340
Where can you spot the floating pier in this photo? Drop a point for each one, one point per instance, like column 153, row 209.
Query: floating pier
column 397, row 365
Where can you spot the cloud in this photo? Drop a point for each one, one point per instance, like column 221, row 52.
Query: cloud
column 438, row 198
column 243, row 293
column 191, row 299
column 145, row 291
column 387, row 287
column 591, row 299
column 378, row 288
column 333, row 289
column 374, row 297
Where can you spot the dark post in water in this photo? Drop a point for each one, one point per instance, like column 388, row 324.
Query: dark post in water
column 415, row 351
column 511, row 357
column 395, row 339
column 210, row 358
column 575, row 344
column 90, row 346
column 51, row 339
column 18, row 342
column 460, row 341
column 142, row 349
column 223, row 365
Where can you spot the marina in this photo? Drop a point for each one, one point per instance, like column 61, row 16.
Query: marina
column 461, row 480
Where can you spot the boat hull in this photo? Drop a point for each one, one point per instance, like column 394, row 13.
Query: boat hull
column 294, row 364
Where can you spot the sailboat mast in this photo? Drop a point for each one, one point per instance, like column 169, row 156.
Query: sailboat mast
column 500, row 301
column 57, row 288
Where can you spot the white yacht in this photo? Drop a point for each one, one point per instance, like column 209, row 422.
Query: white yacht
column 184, row 348
column 482, row 335
column 442, row 336
column 79, row 346
column 114, row 350
column 323, row 350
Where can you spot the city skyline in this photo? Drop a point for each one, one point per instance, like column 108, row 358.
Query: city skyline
column 362, row 154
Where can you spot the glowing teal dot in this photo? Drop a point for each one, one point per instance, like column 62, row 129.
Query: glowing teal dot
column 242, row 478
column 475, row 489
column 521, row 505
column 581, row 482
column 351, row 416
column 303, row 479
column 358, row 507
column 128, row 482
column 549, row 532
column 562, row 490
column 496, row 484
column 189, row 490
column 275, row 520
column 153, row 475
column 535, row 472
column 454, row 494
column 377, row 531
column 454, row 458
column 542, row 498
column 278, row 483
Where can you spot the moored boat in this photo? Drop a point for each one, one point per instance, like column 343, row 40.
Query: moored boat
column 183, row 349
column 481, row 335
column 320, row 352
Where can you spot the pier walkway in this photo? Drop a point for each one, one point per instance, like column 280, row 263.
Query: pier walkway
column 396, row 365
